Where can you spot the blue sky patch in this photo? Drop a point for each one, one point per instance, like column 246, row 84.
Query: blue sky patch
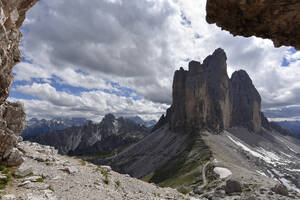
column 19, row 95
column 285, row 61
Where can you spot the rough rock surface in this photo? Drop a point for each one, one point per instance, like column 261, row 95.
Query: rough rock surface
column 278, row 20
column 233, row 186
column 205, row 97
column 61, row 177
column 12, row 116
column 280, row 189
column 246, row 102
column 201, row 95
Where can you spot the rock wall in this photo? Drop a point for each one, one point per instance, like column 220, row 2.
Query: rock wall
column 205, row 97
column 12, row 115
column 246, row 102
column 201, row 95
column 278, row 20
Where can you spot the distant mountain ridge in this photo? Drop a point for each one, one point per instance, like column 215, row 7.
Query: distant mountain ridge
column 35, row 126
column 110, row 134
column 293, row 127
column 149, row 124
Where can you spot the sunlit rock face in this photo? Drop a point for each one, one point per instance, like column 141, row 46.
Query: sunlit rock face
column 278, row 20
column 12, row 115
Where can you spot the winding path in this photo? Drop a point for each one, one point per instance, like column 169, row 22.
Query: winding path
column 204, row 176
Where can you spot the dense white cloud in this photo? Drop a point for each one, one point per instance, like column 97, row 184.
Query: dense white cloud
column 138, row 44
column 93, row 104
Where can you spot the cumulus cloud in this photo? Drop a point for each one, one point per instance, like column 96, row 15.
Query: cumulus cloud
column 138, row 45
column 92, row 104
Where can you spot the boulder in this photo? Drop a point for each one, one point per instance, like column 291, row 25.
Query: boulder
column 70, row 170
column 15, row 158
column 24, row 170
column 198, row 190
column 233, row 186
column 280, row 189
column 105, row 167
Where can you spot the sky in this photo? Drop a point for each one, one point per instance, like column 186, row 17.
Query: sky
column 89, row 58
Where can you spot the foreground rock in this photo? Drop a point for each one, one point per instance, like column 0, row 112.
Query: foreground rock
column 12, row 116
column 280, row 189
column 233, row 186
column 61, row 177
column 278, row 20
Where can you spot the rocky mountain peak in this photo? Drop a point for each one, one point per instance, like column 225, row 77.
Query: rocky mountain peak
column 201, row 95
column 205, row 97
column 109, row 117
column 246, row 102
column 241, row 77
column 220, row 53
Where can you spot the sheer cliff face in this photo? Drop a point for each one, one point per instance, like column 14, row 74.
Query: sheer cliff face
column 201, row 95
column 12, row 115
column 204, row 97
column 246, row 102
column 278, row 20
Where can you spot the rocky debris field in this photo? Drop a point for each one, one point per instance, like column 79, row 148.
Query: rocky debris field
column 47, row 175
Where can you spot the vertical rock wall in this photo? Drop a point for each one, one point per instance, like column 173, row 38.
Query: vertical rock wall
column 201, row 95
column 205, row 97
column 246, row 102
column 12, row 115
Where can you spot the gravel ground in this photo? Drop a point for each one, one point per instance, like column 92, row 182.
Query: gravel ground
column 60, row 177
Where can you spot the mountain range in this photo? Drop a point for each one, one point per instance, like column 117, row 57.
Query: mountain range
column 149, row 124
column 292, row 126
column 36, row 127
column 213, row 129
column 110, row 134
column 214, row 125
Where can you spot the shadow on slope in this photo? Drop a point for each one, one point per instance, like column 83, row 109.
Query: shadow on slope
column 165, row 158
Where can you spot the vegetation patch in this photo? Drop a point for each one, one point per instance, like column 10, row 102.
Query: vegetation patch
column 184, row 171
column 40, row 180
column 117, row 183
column 148, row 177
column 82, row 163
column 50, row 188
column 105, row 179
column 5, row 171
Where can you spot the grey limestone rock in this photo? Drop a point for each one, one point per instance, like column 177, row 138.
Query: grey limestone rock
column 12, row 115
